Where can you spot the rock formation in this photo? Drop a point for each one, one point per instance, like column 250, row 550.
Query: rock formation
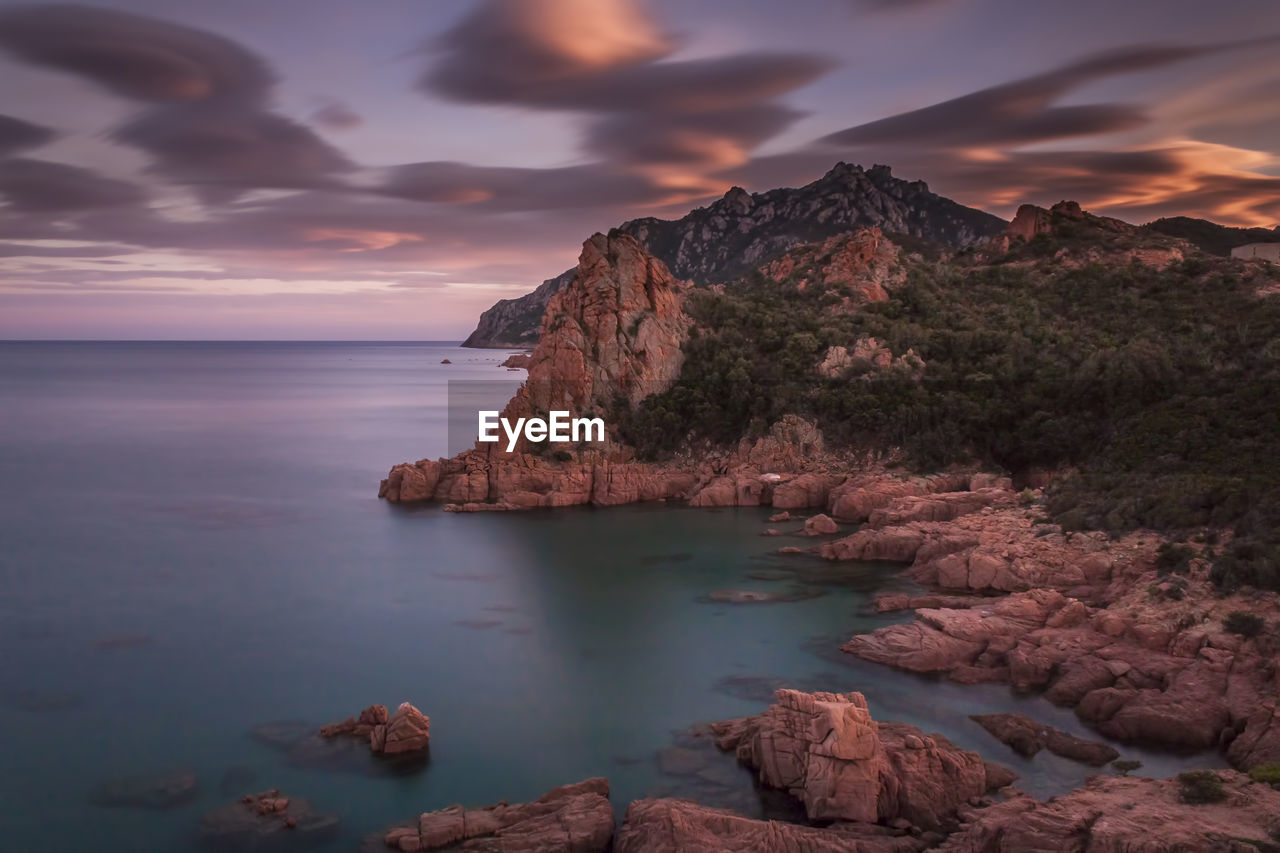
column 742, row 230
column 407, row 730
column 680, row 826
column 1113, row 814
column 570, row 819
column 825, row 749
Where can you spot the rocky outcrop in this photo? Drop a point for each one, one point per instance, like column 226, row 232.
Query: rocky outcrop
column 569, row 819
column 1127, row 815
column 517, row 361
column 742, row 231
column 988, row 546
column 407, row 730
column 825, row 750
column 268, row 820
column 1079, row 238
column 680, row 826
column 1027, row 737
column 858, row 267
column 1085, row 620
column 615, row 332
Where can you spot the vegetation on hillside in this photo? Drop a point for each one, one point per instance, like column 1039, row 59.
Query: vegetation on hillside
column 1210, row 236
column 1159, row 389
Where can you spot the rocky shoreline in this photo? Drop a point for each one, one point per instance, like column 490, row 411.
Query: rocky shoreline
column 1104, row 626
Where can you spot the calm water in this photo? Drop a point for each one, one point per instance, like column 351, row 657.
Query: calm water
column 191, row 547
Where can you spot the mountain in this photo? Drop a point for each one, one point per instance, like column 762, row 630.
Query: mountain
column 1210, row 236
column 742, row 230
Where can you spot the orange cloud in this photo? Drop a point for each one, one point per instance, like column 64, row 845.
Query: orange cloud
column 360, row 240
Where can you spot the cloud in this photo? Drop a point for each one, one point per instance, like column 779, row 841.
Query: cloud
column 605, row 58
column 336, row 116
column 131, row 55
column 17, row 135
column 210, row 124
column 519, row 189
column 219, row 146
column 1021, row 112
column 34, row 186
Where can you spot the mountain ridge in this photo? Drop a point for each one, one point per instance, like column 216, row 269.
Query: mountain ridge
column 741, row 230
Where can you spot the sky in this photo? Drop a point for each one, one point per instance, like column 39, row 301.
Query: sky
column 385, row 170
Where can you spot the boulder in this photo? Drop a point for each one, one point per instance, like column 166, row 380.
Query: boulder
column 825, row 750
column 820, row 525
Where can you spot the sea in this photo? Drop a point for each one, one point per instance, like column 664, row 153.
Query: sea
column 196, row 573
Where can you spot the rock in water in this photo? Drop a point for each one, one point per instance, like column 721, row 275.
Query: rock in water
column 156, row 791
column 1027, row 737
column 407, row 730
column 570, row 819
column 268, row 820
column 826, row 750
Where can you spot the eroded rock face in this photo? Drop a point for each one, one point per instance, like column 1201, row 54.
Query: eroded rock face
column 570, row 819
column 680, row 826
column 615, row 331
column 1113, row 814
column 825, row 749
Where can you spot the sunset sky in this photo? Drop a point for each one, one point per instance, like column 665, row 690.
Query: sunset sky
column 332, row 169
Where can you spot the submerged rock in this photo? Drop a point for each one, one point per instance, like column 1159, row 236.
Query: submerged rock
column 569, row 819
column 268, row 820
column 149, row 791
column 1027, row 737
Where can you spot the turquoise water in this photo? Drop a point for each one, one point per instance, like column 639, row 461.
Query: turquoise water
column 191, row 547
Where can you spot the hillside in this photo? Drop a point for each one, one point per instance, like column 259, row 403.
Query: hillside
column 742, row 230
column 1144, row 367
column 1210, row 236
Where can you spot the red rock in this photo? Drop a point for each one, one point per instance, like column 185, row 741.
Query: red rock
column 1027, row 737
column 680, row 826
column 820, row 525
column 570, row 819
column 825, row 749
column 408, row 730
column 1113, row 814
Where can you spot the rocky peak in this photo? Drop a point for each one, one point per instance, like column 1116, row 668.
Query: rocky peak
column 616, row 330
column 742, row 230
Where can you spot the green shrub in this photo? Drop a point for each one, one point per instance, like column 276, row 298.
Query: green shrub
column 1199, row 787
column 1244, row 624
column 1173, row 559
column 1125, row 766
column 1268, row 773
